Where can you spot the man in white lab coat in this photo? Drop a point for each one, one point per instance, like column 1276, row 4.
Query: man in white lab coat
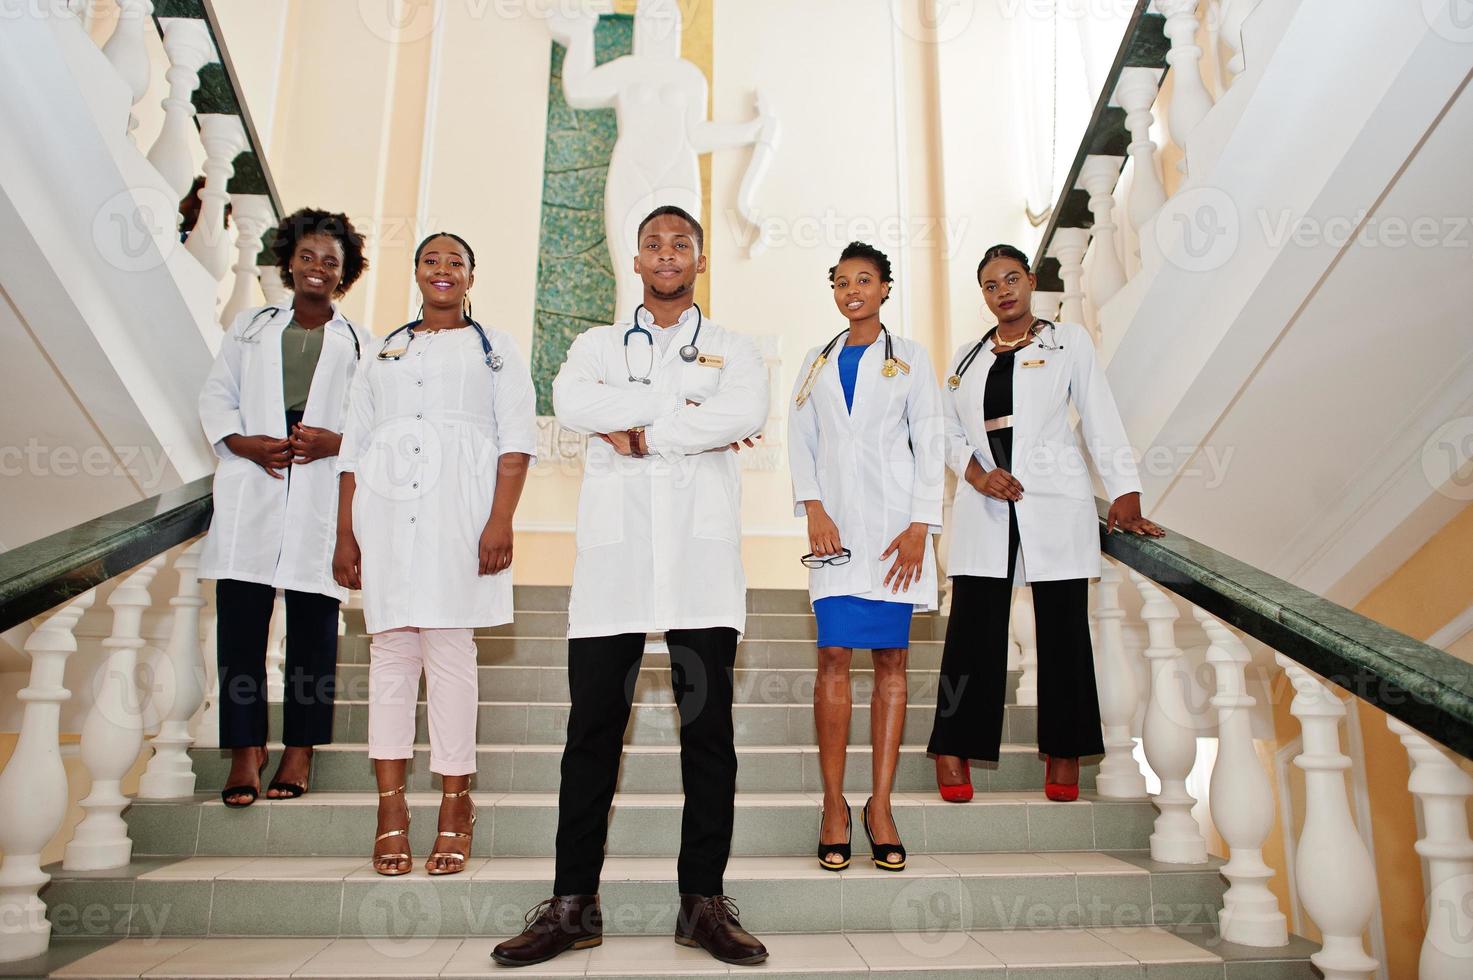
column 668, row 399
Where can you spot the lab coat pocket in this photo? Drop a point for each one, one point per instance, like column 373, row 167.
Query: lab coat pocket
column 698, row 382
column 715, row 513
column 600, row 513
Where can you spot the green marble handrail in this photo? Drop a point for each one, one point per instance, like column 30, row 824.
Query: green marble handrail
column 1427, row 688
column 43, row 574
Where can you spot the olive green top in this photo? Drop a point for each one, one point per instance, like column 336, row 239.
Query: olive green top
column 300, row 349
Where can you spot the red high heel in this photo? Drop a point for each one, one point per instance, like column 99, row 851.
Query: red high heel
column 1058, row 792
column 959, row 793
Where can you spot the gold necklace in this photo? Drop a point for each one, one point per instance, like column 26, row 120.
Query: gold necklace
column 1012, row 344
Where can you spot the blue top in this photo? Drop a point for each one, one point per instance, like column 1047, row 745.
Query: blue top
column 849, row 371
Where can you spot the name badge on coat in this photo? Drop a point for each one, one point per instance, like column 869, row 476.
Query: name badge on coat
column 711, row 360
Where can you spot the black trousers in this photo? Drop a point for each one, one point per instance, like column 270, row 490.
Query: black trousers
column 243, row 617
column 602, row 672
column 973, row 683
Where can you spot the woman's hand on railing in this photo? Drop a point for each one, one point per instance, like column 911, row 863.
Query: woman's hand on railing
column 996, row 483
column 267, row 452
column 347, row 562
column 1125, row 513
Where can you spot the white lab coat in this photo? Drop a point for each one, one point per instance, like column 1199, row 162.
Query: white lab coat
column 877, row 470
column 424, row 436
column 1058, row 525
column 274, row 532
column 659, row 538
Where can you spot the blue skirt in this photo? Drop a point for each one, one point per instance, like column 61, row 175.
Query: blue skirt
column 863, row 624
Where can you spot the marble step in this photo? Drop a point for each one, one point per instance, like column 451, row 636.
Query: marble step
column 552, row 651
column 1183, row 953
column 535, row 723
column 760, row 626
column 943, row 892
column 641, row 825
column 554, row 598
column 344, row 768
column 751, row 685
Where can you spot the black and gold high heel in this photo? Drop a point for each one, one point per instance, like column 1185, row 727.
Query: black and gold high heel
column 843, row 850
column 881, row 852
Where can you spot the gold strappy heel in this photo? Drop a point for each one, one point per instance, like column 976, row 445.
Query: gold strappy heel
column 455, row 834
column 405, row 856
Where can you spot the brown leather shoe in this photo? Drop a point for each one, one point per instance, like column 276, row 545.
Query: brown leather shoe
column 559, row 924
column 711, row 923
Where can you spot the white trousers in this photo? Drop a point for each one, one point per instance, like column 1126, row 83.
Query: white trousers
column 447, row 658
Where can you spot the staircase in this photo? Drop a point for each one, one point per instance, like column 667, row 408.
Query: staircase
column 1010, row 884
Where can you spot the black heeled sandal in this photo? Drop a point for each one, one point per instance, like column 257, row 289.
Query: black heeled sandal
column 292, row 791
column 843, row 850
column 254, row 792
column 881, row 852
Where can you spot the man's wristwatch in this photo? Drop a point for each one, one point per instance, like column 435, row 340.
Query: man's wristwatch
column 634, row 449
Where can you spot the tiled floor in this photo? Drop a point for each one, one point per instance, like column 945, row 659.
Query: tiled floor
column 829, row 955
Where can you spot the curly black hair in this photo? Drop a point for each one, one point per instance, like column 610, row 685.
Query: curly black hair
column 312, row 221
column 1003, row 252
column 863, row 250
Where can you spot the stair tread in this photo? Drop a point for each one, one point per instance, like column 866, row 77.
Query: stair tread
column 629, row 749
column 489, row 798
column 985, row 952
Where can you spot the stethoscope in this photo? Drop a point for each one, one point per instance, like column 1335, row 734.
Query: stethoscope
column 688, row 353
column 494, row 361
column 251, row 333
column 955, row 381
column 891, row 368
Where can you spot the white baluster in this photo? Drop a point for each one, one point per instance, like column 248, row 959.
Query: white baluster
column 33, row 787
column 179, row 689
column 1068, row 247
column 1120, row 776
column 1027, row 634
column 274, row 289
column 207, row 726
column 127, row 50
column 1136, row 92
column 1443, row 789
column 1334, row 873
column 276, row 651
column 1234, row 14
column 1106, row 275
column 188, row 44
column 252, row 215
column 112, row 736
column 224, row 138
column 1242, row 800
column 1190, row 100
column 1169, row 732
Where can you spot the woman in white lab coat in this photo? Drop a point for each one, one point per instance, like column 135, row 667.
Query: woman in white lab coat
column 1024, row 512
column 440, row 434
column 865, row 440
column 273, row 407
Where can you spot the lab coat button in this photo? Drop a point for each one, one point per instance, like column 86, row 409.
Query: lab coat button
column 419, row 384
column 416, row 450
column 411, row 520
column 418, row 416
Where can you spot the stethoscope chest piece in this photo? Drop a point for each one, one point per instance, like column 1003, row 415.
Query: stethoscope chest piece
column 954, row 382
column 495, row 362
column 689, row 353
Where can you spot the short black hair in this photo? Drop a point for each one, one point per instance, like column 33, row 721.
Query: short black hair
column 1003, row 252
column 863, row 250
column 470, row 253
column 670, row 210
column 312, row 221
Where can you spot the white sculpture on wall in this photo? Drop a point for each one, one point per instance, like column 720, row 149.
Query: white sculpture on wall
column 661, row 100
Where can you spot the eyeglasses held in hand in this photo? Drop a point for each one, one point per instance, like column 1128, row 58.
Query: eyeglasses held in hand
column 813, row 561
